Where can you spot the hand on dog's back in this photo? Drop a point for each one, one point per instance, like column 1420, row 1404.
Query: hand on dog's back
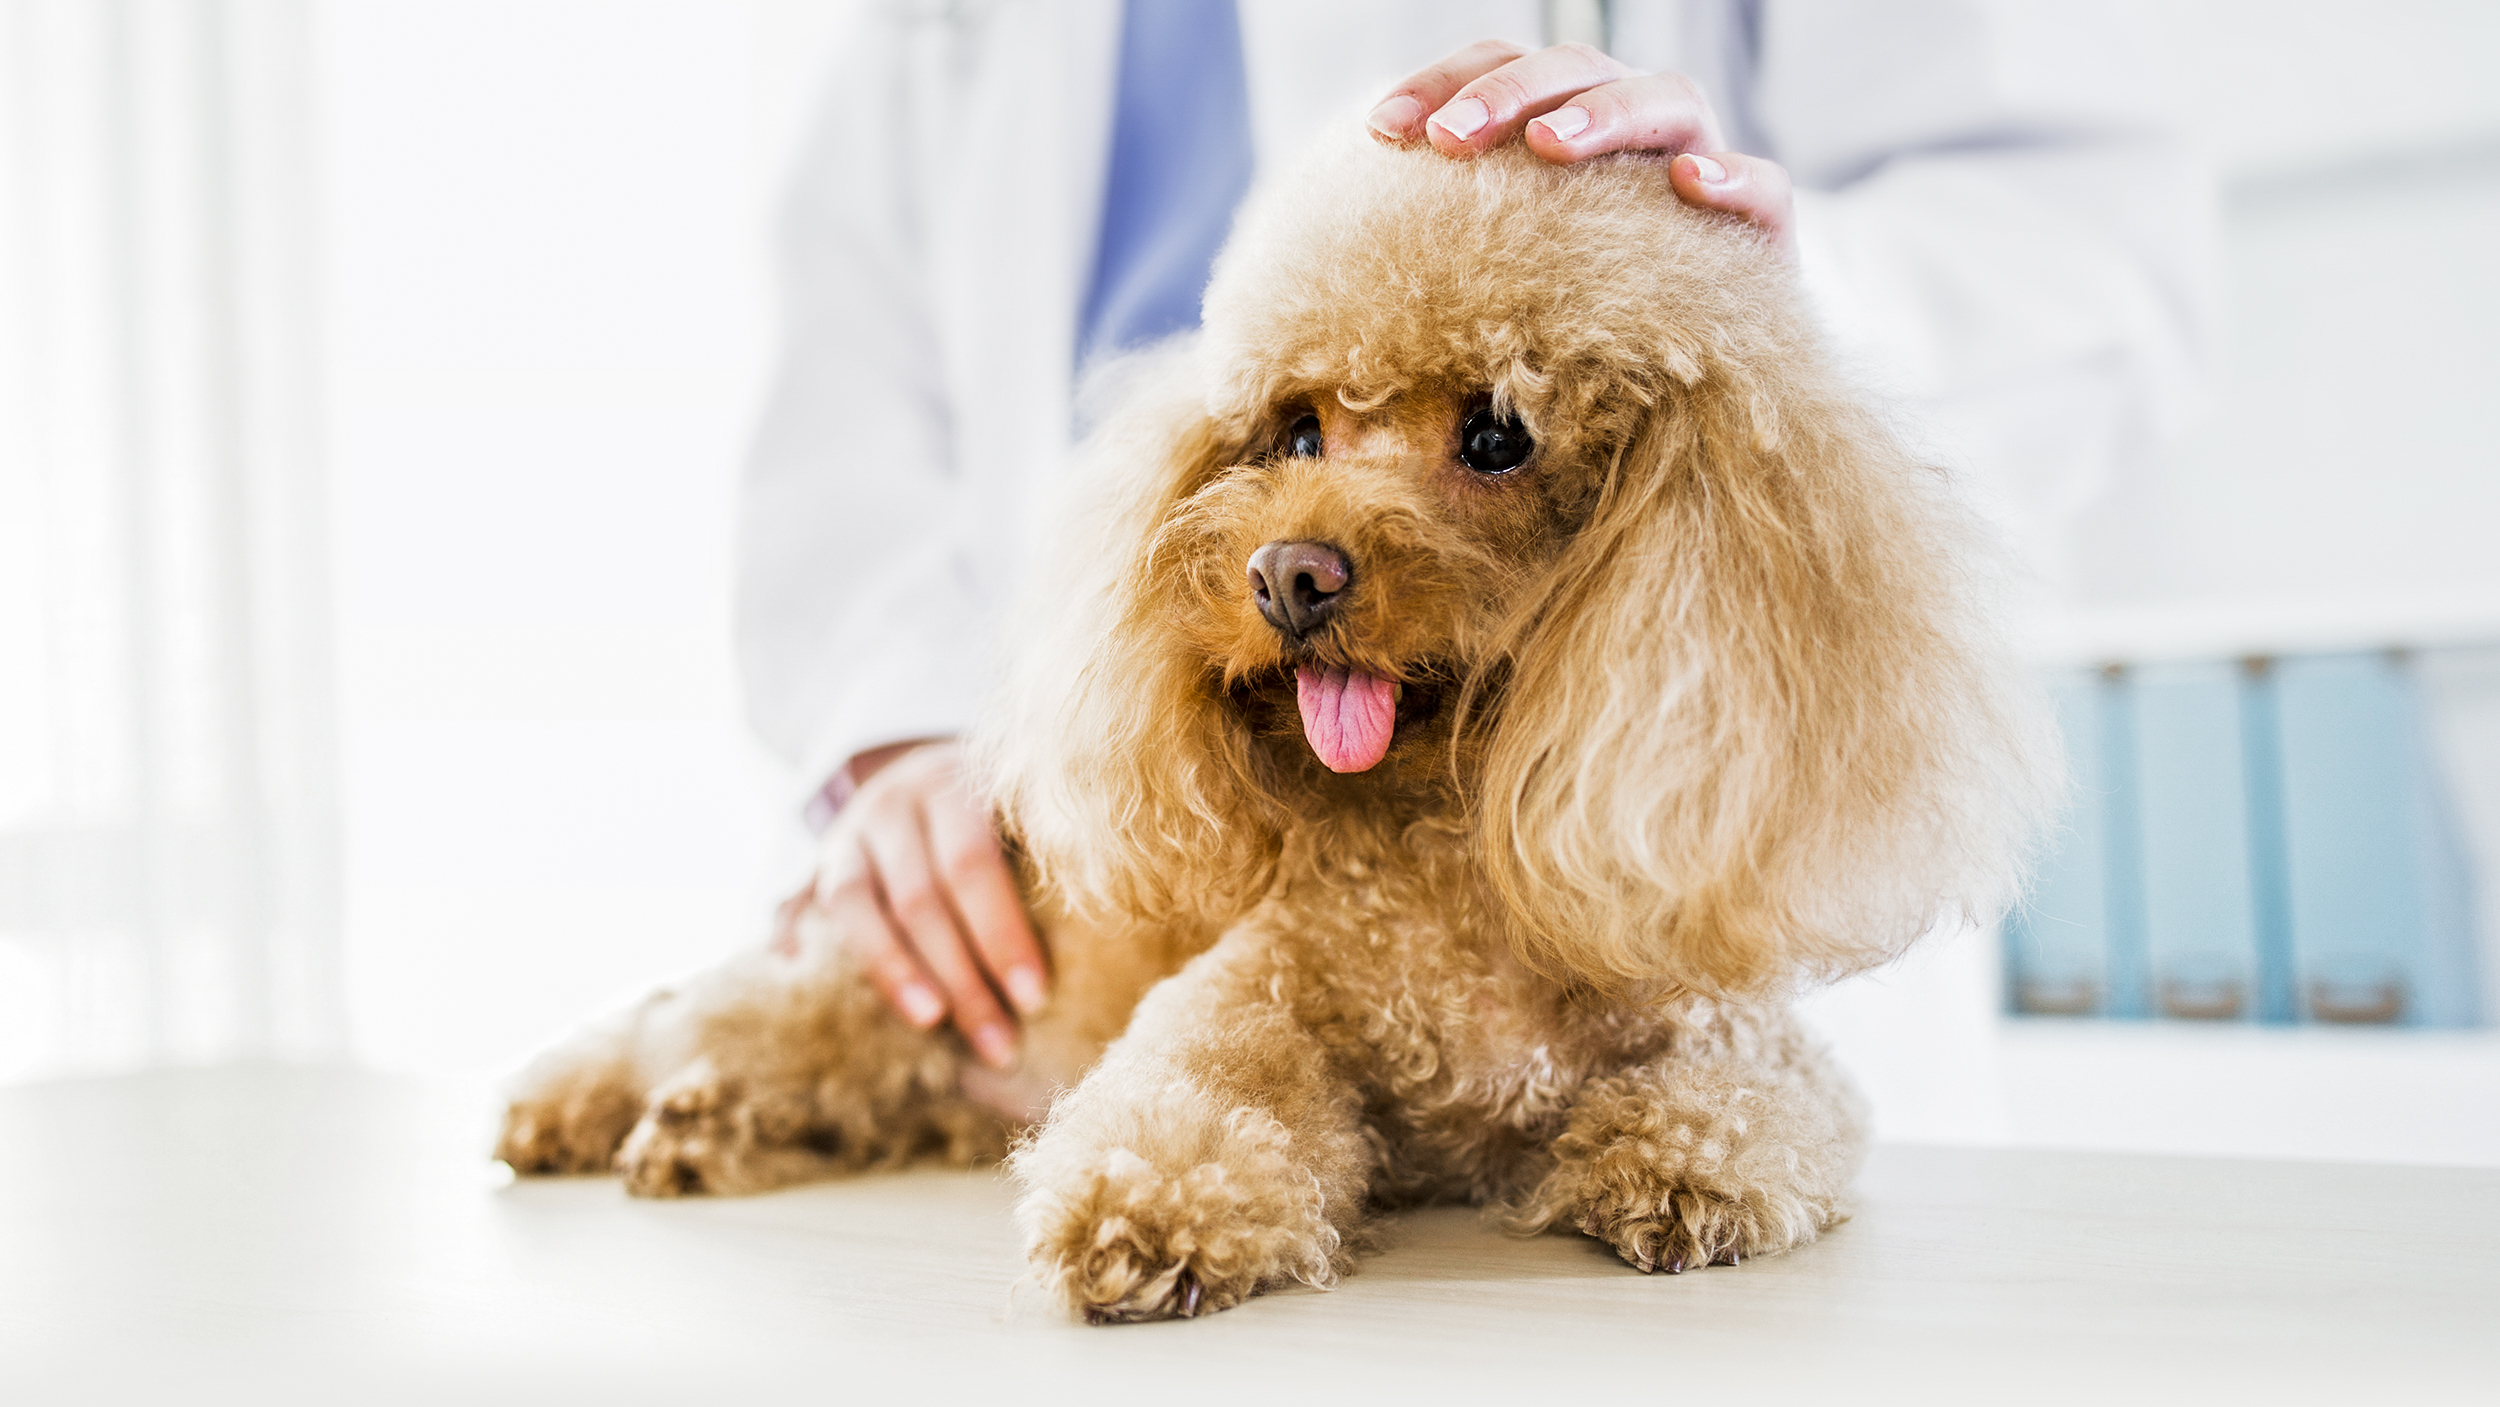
column 912, row 876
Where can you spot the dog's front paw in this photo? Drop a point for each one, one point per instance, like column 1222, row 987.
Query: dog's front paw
column 1124, row 1240
column 1687, row 1167
column 1685, row 1229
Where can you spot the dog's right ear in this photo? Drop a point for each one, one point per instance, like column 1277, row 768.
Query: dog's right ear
column 1114, row 765
column 1763, row 728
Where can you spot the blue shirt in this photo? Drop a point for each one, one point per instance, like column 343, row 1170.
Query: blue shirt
column 1180, row 161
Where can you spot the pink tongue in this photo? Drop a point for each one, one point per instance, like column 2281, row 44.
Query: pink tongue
column 1347, row 716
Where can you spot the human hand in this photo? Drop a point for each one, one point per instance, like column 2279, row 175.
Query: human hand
column 1575, row 102
column 911, row 875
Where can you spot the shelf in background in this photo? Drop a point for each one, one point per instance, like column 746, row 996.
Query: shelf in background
column 2229, row 629
column 2316, row 1092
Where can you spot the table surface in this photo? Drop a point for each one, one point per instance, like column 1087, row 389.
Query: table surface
column 275, row 1234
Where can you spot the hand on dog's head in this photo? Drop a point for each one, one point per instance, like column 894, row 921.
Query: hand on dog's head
column 1523, row 498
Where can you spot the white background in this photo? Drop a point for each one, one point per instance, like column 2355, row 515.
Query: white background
column 547, row 325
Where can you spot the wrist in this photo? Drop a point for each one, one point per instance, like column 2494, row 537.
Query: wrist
column 848, row 778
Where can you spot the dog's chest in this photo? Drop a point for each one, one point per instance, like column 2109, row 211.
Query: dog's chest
column 1521, row 1047
column 1421, row 985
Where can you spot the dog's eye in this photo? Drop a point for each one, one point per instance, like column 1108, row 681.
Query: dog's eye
column 1491, row 443
column 1304, row 440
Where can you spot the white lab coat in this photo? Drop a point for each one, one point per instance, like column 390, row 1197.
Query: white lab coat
column 1994, row 222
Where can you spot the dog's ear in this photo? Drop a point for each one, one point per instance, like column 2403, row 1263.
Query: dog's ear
column 1757, row 728
column 1114, row 763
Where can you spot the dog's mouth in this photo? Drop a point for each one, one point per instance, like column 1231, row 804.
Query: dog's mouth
column 1350, row 717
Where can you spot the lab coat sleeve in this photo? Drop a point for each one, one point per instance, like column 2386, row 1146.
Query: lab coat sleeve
column 857, row 620
column 1999, row 228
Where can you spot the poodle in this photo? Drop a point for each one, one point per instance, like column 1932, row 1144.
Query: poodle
column 1494, row 665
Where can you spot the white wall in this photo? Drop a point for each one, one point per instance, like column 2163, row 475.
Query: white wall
column 547, row 320
column 2348, row 468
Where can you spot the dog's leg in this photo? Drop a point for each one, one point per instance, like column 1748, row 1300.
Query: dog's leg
column 783, row 1065
column 782, row 1076
column 1742, row 1143
column 772, row 1069
column 1215, row 1151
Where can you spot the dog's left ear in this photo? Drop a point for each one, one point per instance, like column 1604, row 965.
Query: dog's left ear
column 1759, row 728
column 1115, row 765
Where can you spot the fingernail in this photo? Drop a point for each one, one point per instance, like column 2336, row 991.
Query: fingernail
column 995, row 1044
column 1464, row 118
column 921, row 1006
column 1709, row 172
column 1395, row 118
column 1024, row 988
column 1566, row 123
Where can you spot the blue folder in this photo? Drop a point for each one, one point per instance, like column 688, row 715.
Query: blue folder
column 2378, row 887
column 2192, row 803
column 2056, row 942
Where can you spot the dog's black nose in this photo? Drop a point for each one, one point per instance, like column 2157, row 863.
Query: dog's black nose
column 1298, row 584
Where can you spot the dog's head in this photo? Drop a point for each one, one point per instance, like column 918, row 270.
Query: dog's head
column 1522, row 495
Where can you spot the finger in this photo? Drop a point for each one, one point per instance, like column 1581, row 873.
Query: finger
column 1400, row 116
column 984, row 892
column 898, row 852
column 1651, row 112
column 850, row 905
column 1490, row 110
column 785, row 939
column 1747, row 186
